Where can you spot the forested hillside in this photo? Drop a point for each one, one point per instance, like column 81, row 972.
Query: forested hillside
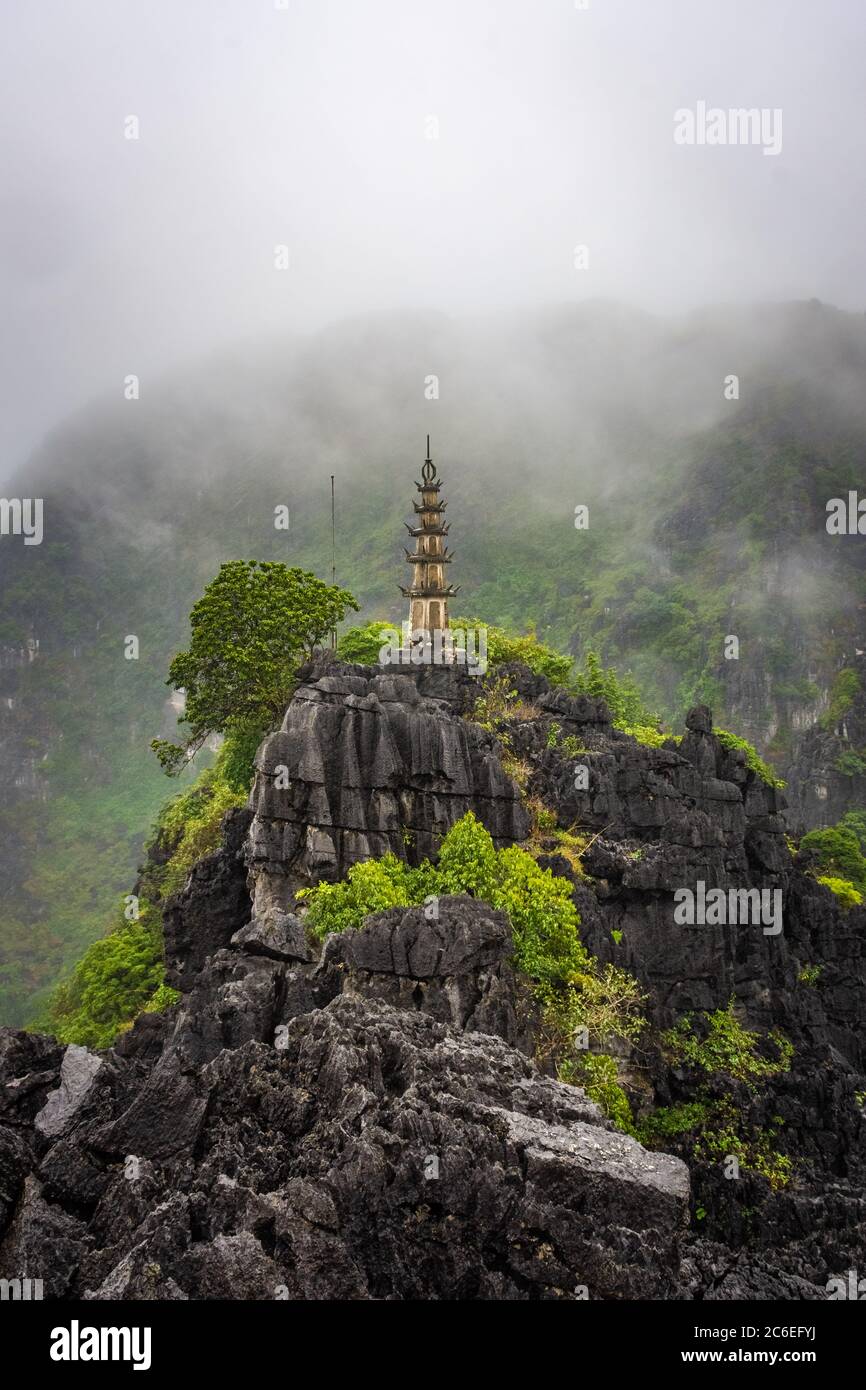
column 706, row 520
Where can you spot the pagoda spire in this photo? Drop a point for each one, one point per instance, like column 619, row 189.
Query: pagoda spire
column 428, row 593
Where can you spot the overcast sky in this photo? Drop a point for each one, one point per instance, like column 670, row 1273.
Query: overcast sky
column 308, row 126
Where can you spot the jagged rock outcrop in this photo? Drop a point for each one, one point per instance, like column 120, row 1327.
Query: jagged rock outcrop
column 449, row 960
column 826, row 771
column 365, row 1121
column 355, row 1147
column 366, row 763
column 665, row 819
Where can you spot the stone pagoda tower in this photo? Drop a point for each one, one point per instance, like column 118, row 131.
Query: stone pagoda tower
column 428, row 593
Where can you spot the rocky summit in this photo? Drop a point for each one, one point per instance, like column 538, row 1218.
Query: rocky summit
column 366, row 1118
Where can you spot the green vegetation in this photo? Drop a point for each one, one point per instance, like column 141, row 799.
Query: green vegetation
column 670, row 1121
column 249, row 629
column 843, row 692
column 628, row 712
column 710, row 1128
column 505, row 646
column 810, row 974
column 166, row 518
column 646, row 734
column 122, row 974
column 724, row 1136
column 597, row 1074
column 572, row 747
column 191, row 821
column 851, row 762
column 572, row 990
column 718, row 1044
column 848, row 895
column 497, row 704
column 118, row 977
column 364, row 643
column 836, row 854
column 754, row 762
column 620, row 693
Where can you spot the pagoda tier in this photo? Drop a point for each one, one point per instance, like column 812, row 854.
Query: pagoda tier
column 430, row 557
column 441, row 530
column 449, row 592
column 428, row 593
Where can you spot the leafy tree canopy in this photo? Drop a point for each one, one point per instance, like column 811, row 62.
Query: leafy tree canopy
column 620, row 694
column 837, row 851
column 250, row 628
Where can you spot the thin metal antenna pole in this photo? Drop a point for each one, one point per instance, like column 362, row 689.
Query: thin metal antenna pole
column 333, row 554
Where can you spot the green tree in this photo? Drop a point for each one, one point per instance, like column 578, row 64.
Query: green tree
column 620, row 694
column 250, row 628
column 836, row 851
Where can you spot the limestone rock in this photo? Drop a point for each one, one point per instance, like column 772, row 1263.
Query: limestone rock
column 77, row 1071
column 367, row 764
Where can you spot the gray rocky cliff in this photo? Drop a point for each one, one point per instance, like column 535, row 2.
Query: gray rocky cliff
column 365, row 1120
column 368, row 763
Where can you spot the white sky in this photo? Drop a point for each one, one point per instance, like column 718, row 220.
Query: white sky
column 306, row 126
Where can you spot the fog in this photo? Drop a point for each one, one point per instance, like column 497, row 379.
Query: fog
column 312, row 127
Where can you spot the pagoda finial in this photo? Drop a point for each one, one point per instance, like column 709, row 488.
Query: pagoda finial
column 428, row 470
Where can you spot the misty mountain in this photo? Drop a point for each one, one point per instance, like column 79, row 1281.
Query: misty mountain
column 706, row 521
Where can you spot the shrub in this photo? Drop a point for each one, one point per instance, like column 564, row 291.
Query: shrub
column 726, row 1135
column 810, row 974
column 248, row 631
column 573, row 992
column 371, row 886
column 596, row 1073
column 113, row 981
column 669, row 1122
column 646, row 734
column 504, row 646
column 856, row 821
column 754, row 762
column 837, row 851
column 851, row 763
column 843, row 692
column 726, row 1047
column 122, row 974
column 844, row 890
column 712, row 1131
column 363, row 644
column 620, row 693
column 192, row 819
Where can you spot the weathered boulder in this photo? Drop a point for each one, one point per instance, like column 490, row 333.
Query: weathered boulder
column 212, row 906
column 365, row 764
column 452, row 965
column 77, row 1071
column 281, row 937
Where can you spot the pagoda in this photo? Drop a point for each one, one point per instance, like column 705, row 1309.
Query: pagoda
column 428, row 594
